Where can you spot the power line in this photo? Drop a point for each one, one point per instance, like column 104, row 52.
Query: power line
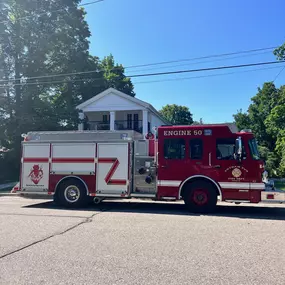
column 142, row 82
column 52, row 82
column 133, row 66
column 54, row 75
column 204, row 76
column 276, row 78
column 205, row 69
column 30, row 16
column 90, row 3
column 278, row 74
column 202, row 57
column 199, row 62
column 175, row 79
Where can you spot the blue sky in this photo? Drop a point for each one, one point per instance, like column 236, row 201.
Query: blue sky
column 146, row 31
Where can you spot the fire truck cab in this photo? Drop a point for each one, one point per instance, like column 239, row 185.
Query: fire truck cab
column 198, row 164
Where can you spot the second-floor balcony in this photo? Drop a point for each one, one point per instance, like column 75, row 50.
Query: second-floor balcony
column 98, row 126
column 135, row 125
column 129, row 125
column 114, row 110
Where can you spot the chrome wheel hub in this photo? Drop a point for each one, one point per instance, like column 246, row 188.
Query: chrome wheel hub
column 72, row 194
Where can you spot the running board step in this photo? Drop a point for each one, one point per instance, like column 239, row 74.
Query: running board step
column 142, row 195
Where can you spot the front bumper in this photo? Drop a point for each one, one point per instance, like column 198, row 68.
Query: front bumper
column 276, row 196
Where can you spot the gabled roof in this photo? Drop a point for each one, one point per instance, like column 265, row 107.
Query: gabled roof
column 123, row 95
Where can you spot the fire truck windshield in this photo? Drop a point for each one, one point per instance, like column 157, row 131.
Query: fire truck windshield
column 254, row 149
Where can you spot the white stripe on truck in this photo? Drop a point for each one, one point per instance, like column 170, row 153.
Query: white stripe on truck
column 226, row 185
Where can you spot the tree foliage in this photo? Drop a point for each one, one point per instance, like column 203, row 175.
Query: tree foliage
column 115, row 77
column 264, row 117
column 177, row 115
column 263, row 103
column 39, row 38
column 280, row 52
column 242, row 120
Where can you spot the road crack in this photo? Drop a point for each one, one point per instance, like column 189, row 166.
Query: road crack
column 84, row 221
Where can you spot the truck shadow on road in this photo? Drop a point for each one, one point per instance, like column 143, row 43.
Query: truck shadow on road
column 233, row 211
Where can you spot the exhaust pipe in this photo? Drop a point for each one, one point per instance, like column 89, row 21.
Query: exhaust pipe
column 97, row 200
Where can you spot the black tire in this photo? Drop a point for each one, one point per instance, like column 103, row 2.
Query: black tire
column 200, row 197
column 71, row 193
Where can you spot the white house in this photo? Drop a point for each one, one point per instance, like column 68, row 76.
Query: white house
column 115, row 110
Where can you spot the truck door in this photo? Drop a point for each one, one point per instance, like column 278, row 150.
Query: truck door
column 172, row 161
column 231, row 174
column 113, row 169
column 35, row 167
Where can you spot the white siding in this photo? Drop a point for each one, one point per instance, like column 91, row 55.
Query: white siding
column 155, row 121
column 112, row 102
column 122, row 106
column 96, row 116
column 122, row 115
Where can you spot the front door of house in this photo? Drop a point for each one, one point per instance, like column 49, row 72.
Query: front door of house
column 136, row 122
column 129, row 121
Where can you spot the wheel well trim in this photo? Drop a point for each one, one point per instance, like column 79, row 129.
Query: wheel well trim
column 203, row 177
column 71, row 176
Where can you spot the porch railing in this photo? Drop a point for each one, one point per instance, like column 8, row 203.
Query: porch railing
column 129, row 125
column 98, row 126
column 119, row 125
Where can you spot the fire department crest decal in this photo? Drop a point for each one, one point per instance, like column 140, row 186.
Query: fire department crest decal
column 36, row 174
column 236, row 172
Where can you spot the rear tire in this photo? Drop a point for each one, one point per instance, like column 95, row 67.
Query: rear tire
column 200, row 197
column 71, row 193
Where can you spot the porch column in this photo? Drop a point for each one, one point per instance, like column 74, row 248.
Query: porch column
column 112, row 121
column 144, row 122
column 81, row 124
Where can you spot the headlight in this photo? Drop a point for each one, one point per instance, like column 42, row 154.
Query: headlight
column 265, row 175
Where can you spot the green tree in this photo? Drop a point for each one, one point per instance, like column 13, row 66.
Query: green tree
column 259, row 118
column 275, row 123
column 39, row 38
column 35, row 43
column 280, row 52
column 265, row 116
column 114, row 76
column 242, row 120
column 266, row 99
column 177, row 115
column 262, row 104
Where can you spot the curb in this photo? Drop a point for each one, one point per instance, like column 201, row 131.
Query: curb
column 7, row 185
column 9, row 194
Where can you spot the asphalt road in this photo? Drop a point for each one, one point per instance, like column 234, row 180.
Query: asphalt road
column 140, row 243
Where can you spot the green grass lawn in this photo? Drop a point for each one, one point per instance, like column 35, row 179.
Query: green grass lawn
column 279, row 185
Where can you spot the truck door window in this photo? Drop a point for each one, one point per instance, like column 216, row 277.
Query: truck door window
column 225, row 149
column 196, row 149
column 254, row 149
column 174, row 148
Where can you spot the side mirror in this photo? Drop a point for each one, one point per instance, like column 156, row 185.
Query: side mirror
column 238, row 149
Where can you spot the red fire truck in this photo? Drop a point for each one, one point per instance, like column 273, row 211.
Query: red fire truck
column 199, row 164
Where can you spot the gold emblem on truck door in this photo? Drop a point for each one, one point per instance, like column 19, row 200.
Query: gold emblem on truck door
column 236, row 172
